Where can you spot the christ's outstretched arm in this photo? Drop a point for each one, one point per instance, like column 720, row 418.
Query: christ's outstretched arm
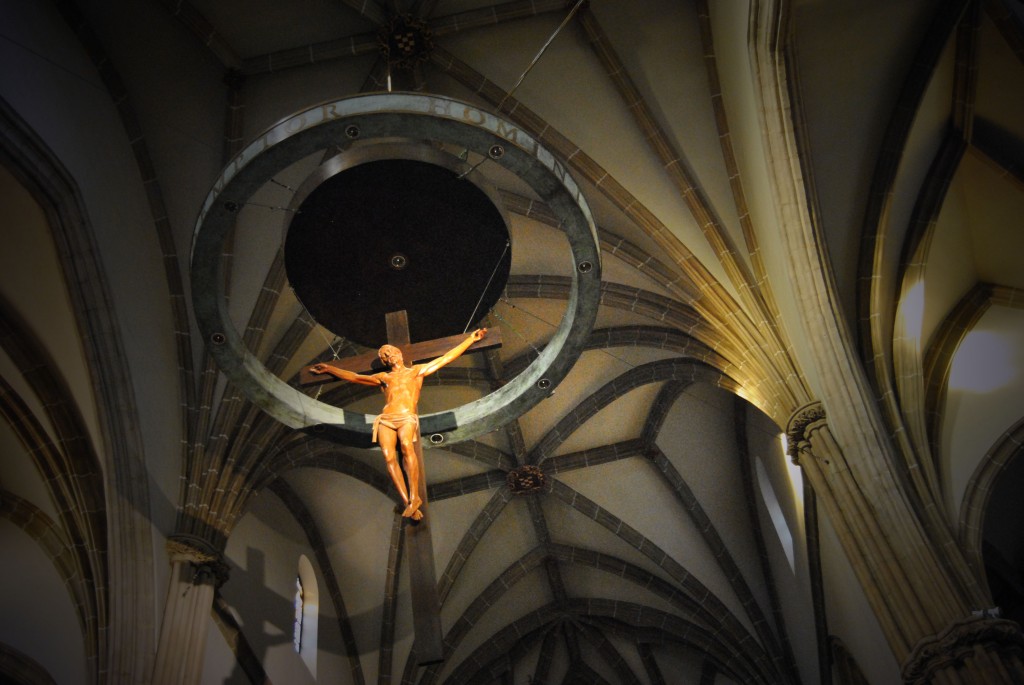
column 454, row 353
column 344, row 375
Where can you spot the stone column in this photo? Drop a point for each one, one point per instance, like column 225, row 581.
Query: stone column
column 812, row 446
column 908, row 592
column 196, row 571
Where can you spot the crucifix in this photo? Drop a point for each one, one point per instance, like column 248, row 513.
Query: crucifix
column 397, row 428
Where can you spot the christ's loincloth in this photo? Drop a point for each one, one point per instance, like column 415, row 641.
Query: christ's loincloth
column 394, row 421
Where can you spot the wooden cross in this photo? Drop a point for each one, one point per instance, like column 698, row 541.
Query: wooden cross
column 426, row 607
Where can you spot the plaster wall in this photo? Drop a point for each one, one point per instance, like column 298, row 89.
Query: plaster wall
column 850, row 617
column 263, row 552
column 49, row 80
column 37, row 616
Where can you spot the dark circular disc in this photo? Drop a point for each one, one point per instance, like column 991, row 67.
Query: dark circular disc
column 397, row 234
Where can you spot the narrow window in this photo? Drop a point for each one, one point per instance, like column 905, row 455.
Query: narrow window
column 299, row 606
column 771, row 502
column 307, row 614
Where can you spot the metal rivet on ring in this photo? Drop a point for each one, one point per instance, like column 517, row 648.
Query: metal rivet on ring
column 496, row 151
column 436, row 439
column 398, row 261
column 544, row 383
column 352, row 131
column 218, row 338
column 585, row 267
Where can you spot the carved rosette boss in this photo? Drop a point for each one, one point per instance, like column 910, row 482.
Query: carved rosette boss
column 525, row 480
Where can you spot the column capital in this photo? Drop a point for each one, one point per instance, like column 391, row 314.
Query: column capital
column 796, row 427
column 209, row 563
column 959, row 642
column 181, row 547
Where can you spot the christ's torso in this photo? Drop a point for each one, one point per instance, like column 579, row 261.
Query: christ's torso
column 401, row 390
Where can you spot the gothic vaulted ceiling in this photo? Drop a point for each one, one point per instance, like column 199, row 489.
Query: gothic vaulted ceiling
column 662, row 537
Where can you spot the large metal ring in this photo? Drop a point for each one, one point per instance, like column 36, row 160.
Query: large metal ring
column 391, row 115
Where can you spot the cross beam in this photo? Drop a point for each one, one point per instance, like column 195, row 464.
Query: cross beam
column 414, row 353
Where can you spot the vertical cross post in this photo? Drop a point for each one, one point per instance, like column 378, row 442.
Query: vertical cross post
column 426, row 607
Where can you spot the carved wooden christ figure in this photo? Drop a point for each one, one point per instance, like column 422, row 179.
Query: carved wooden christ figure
column 398, row 424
